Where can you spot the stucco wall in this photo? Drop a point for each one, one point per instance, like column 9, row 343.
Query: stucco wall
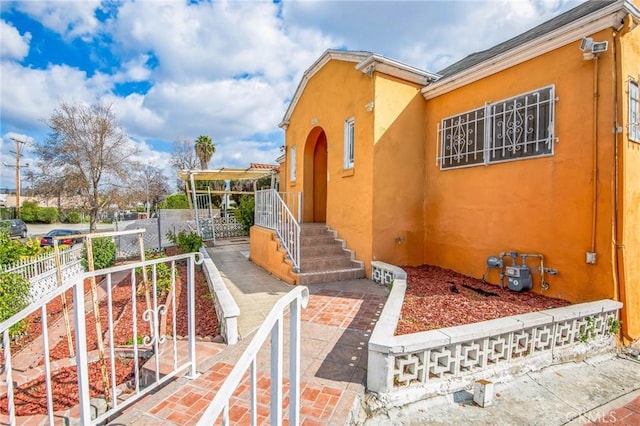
column 264, row 252
column 540, row 205
column 332, row 95
column 399, row 172
column 629, row 189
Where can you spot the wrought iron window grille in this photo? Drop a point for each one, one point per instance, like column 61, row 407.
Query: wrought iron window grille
column 511, row 129
column 634, row 106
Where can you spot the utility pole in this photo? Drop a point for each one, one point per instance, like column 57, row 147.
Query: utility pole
column 17, row 166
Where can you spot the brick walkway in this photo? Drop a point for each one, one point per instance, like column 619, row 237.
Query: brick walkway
column 629, row 414
column 336, row 326
column 335, row 330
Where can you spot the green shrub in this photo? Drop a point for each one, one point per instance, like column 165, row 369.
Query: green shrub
column 14, row 297
column 73, row 217
column 104, row 253
column 188, row 242
column 139, row 340
column 10, row 250
column 175, row 201
column 47, row 214
column 29, row 211
column 7, row 212
column 245, row 211
column 31, row 247
column 163, row 273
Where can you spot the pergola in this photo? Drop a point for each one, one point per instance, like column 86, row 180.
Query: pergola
column 253, row 173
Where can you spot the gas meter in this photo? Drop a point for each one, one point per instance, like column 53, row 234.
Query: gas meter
column 518, row 278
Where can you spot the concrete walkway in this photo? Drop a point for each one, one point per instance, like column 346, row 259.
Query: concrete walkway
column 254, row 290
column 596, row 391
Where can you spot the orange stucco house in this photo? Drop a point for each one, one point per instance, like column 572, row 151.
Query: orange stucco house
column 531, row 146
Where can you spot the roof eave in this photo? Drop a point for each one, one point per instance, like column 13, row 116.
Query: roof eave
column 395, row 68
column 605, row 18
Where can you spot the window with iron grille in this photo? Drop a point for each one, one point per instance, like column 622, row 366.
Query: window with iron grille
column 463, row 139
column 634, row 124
column 512, row 129
column 292, row 162
column 349, row 142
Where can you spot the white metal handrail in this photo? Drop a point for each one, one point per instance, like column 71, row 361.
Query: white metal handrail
column 272, row 326
column 156, row 342
column 293, row 200
column 272, row 212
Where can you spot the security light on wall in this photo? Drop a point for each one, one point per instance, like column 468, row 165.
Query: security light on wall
column 600, row 46
column 586, row 44
column 591, row 49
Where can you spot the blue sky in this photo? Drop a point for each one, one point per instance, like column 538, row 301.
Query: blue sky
column 227, row 69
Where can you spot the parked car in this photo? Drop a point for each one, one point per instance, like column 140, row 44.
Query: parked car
column 17, row 227
column 47, row 240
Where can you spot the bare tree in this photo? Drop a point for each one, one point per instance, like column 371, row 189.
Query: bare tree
column 151, row 186
column 183, row 157
column 48, row 182
column 91, row 151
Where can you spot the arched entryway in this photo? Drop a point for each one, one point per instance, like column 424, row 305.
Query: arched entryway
column 315, row 177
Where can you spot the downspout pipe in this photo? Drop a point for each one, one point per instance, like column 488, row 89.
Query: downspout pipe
column 594, row 209
column 619, row 280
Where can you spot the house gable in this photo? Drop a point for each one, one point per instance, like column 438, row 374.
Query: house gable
column 367, row 63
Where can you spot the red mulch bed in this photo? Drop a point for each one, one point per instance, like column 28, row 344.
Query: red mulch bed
column 431, row 302
column 30, row 398
column 34, row 321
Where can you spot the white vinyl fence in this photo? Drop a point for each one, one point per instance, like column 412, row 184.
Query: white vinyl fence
column 41, row 270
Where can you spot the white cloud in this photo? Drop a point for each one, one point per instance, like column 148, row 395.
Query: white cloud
column 68, row 18
column 222, row 68
column 148, row 156
column 215, row 40
column 425, row 34
column 136, row 69
column 226, row 69
column 134, row 116
column 26, row 105
column 14, row 45
column 223, row 109
column 240, row 153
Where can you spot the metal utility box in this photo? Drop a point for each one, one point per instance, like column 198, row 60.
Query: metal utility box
column 518, row 278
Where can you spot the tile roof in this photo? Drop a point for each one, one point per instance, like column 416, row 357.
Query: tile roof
column 263, row 166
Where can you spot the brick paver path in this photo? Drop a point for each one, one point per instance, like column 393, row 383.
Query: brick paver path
column 336, row 326
column 628, row 414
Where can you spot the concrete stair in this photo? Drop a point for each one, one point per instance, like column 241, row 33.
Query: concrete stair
column 324, row 258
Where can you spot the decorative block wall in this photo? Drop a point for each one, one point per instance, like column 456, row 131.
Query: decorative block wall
column 450, row 359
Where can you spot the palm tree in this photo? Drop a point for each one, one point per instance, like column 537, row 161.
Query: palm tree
column 204, row 150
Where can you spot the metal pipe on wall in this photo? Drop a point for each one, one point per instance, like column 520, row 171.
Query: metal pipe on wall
column 617, row 239
column 594, row 212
